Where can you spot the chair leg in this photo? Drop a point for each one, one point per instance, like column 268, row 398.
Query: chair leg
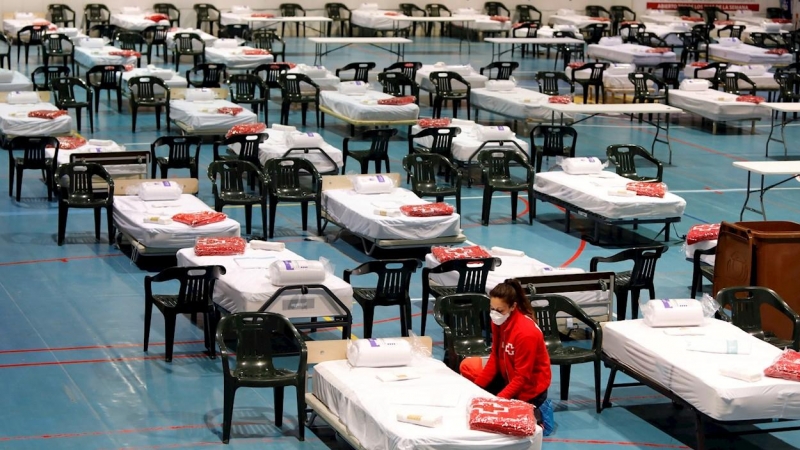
column 148, row 315
column 622, row 304
column 227, row 409
column 487, row 205
column 134, row 110
column 63, row 211
column 304, row 215
column 564, row 372
column 169, row 333
column 635, row 303
column 597, row 384
column 318, row 207
column 369, row 316
column 514, row 198
column 11, row 170
column 301, row 412
column 97, row 224
column 278, row 396
column 304, row 111
column 19, row 182
column 248, row 217
column 273, row 207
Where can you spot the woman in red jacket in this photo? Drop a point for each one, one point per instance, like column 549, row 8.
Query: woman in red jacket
column 519, row 365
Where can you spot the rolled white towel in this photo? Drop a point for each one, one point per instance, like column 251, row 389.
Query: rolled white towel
column 373, row 184
column 70, row 32
column 285, row 273
column 771, row 27
column 583, row 165
column 160, row 191
column 226, row 43
column 6, row 76
column 240, row 9
column 547, row 270
column 88, row 42
column 268, row 246
column 673, row 313
column 199, row 95
column 284, row 128
column 164, row 74
column 353, row 87
column 501, row 251
column 694, row 85
column 101, row 143
column 719, row 345
column 302, row 140
column 562, row 27
column 610, row 41
column 426, row 419
column 729, row 41
column 379, row 353
column 131, row 10
column 744, row 372
column 494, row 132
column 500, row 85
column 368, row 7
column 21, row 97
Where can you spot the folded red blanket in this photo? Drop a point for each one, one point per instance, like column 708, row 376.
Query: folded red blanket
column 702, row 232
column 444, row 254
column 47, row 113
column 560, row 99
column 630, row 22
column 41, row 22
column 699, row 64
column 781, row 21
column 777, row 51
column 427, row 210
column 125, row 53
column 219, row 246
column 502, row 19
column 391, row 13
column 434, row 123
column 128, row 67
column 157, row 17
column 600, row 19
column 398, row 101
column 70, row 142
column 246, row 128
column 576, row 64
column 658, row 50
column 230, row 110
column 255, row 52
column 503, row 416
column 263, row 15
column 786, row 367
column 750, row 99
column 723, row 23
column 691, row 19
column 647, row 189
column 199, row 218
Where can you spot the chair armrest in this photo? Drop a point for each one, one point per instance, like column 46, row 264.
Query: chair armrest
column 619, row 257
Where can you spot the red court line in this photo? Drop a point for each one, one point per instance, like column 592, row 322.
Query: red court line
column 576, row 255
column 64, row 260
column 93, row 347
column 618, row 443
column 209, row 443
column 94, row 361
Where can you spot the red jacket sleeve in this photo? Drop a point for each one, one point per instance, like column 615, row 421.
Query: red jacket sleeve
column 489, row 371
column 524, row 357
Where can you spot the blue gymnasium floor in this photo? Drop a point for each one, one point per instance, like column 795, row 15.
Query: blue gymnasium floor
column 71, row 355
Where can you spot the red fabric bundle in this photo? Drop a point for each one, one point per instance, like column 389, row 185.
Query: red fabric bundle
column 41, row 22
column 427, row 210
column 647, row 189
column 723, row 23
column 658, row 50
column 231, row 110
column 575, row 65
column 199, row 218
column 291, row 65
column 777, row 51
column 691, row 19
column 157, row 17
column 502, row 19
column 125, row 53
column 699, row 64
column 560, row 99
column 219, row 246
column 128, row 67
column 398, row 101
column 630, row 22
column 391, row 13
column 781, row 21
column 70, row 142
column 255, row 52
column 47, row 113
column 600, row 19
column 263, row 15
column 444, row 254
column 750, row 99
column 786, row 367
column 434, row 123
column 702, row 232
column 246, row 128
column 503, row 416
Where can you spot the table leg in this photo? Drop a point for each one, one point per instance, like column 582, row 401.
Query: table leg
column 773, row 115
column 747, row 196
column 761, row 199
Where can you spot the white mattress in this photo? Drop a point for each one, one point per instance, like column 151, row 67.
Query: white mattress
column 590, row 192
column 12, row 26
column 376, row 20
column 130, row 211
column 90, row 57
column 176, row 81
column 466, row 143
column 235, row 59
column 755, row 21
column 667, row 31
column 230, row 18
column 702, row 245
column 764, row 81
column 276, row 147
column 208, row 39
column 246, row 285
column 475, row 79
column 482, row 22
column 135, row 22
column 576, row 20
column 524, row 266
column 18, row 83
column 694, row 376
column 368, row 408
column 356, row 212
column 520, row 103
column 114, row 169
column 204, row 116
column 365, row 107
column 747, row 54
column 665, row 19
column 612, row 79
column 329, row 82
column 14, row 120
column 715, row 105
column 629, row 53
column 745, row 33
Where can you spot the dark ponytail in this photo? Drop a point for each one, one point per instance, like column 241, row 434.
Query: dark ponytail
column 512, row 293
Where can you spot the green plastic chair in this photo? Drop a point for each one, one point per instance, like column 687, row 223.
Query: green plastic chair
column 228, row 186
column 76, row 191
column 496, row 175
column 260, row 337
column 623, row 156
column 421, row 168
column 284, row 185
column 744, row 304
column 463, row 321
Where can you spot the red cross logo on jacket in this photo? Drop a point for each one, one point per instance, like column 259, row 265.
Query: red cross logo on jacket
column 510, row 349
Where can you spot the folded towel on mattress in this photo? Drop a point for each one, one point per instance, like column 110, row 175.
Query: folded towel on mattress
column 500, row 85
column 22, row 97
column 198, row 219
column 373, row 184
column 673, row 313
column 125, row 53
column 501, row 19
column 427, row 210
column 286, row 273
column 659, row 50
column 691, row 19
column 219, row 246
column 702, row 232
column 303, row 140
column 777, row 51
column 426, row 419
column 246, row 128
column 267, row 246
column 718, row 345
column 645, row 189
column 502, row 416
column 444, row 254
column 47, row 113
column 786, row 367
column 751, row 99
column 744, row 372
column 263, row 15
column 255, row 52
column 157, row 17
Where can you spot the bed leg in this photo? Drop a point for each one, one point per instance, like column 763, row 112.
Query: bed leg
column 700, row 431
column 609, row 387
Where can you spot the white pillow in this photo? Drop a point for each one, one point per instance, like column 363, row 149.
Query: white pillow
column 24, row 15
column 771, row 27
column 199, row 95
column 379, row 352
column 753, row 70
column 353, row 87
column 494, row 133
column 620, row 69
column 571, row 28
column 6, row 76
column 70, row 32
column 466, row 11
column 164, row 74
column 611, row 41
column 729, row 42
column 694, row 84
column 373, row 184
column 303, row 140
column 88, row 42
column 131, row 10
column 368, row 7
column 461, row 69
column 500, row 85
column 159, row 191
column 286, row 273
column 19, row 97
column 582, row 166
column 565, row 12
column 313, row 71
column 240, row 9
column 226, row 43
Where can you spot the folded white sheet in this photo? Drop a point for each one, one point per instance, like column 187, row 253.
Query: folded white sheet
column 268, row 246
column 426, row 419
column 715, row 345
column 742, row 372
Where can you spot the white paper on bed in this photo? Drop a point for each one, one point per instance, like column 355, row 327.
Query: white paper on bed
column 372, row 184
column 673, row 313
column 425, row 419
column 379, row 352
column 160, row 191
column 369, row 410
column 467, row 143
column 583, row 165
column 590, row 192
column 246, row 290
column 366, row 108
column 286, row 272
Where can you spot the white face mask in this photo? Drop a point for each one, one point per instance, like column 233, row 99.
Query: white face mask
column 498, row 318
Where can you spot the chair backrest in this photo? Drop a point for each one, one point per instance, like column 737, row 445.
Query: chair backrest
column 394, row 83
column 409, row 9
column 735, row 31
column 235, row 30
column 264, row 39
column 687, row 11
column 33, row 148
column 745, row 306
column 230, row 176
column 180, row 148
column 271, row 73
column 644, row 265
column 103, row 30
column 394, row 277
column 553, row 142
column 56, row 43
column 618, row 13
column 59, row 13
column 286, row 173
column 128, row 40
column 291, row 9
column 548, row 82
column 76, row 178
column 146, row 88
column 713, row 12
column 732, row 82
column 156, row 34
column 169, row 9
column 496, row 163
column 443, row 81
column 437, row 10
column 593, row 32
column 528, row 29
column 291, row 85
column 186, row 42
column 360, row 70
column 407, row 68
column 259, row 337
column 248, row 146
column 212, row 75
column 334, row 10
column 463, row 315
column 596, row 11
column 529, row 13
column 788, row 86
column 196, row 283
column 206, row 12
column 379, row 141
column 623, row 156
column 245, row 86
column 64, row 88
column 95, row 12
column 597, row 70
column 503, row 69
column 670, row 72
column 472, row 273
column 423, row 168
column 495, row 9
column 48, row 73
column 441, row 139
column 105, row 77
column 34, row 33
column 633, row 31
column 643, row 81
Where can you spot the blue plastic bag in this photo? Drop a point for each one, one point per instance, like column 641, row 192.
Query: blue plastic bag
column 548, row 419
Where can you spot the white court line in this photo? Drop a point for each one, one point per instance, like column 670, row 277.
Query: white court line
column 687, row 191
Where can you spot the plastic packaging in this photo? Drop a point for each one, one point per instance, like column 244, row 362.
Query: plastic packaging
column 428, row 210
column 18, row 97
column 673, row 313
column 582, row 166
column 199, row 95
column 379, row 352
column 286, row 272
column 444, row 254
column 786, row 366
column 160, row 191
column 219, row 246
column 373, row 184
column 495, row 132
column 694, row 85
column 198, row 219
column 300, row 140
column 503, row 416
column 717, row 345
